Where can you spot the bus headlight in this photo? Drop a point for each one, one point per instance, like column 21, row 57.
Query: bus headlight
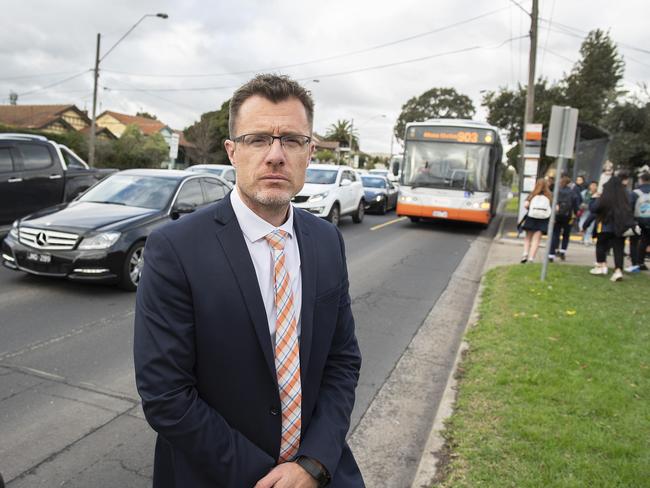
column 408, row 199
column 485, row 205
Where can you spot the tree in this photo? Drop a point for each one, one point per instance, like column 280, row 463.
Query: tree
column 434, row 103
column 629, row 124
column 340, row 132
column 325, row 155
column 592, row 85
column 135, row 150
column 208, row 135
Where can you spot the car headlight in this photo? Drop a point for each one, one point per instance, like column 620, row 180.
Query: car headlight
column 14, row 230
column 379, row 197
column 100, row 241
column 318, row 197
column 408, row 199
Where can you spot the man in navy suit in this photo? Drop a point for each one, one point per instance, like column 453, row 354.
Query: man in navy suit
column 246, row 357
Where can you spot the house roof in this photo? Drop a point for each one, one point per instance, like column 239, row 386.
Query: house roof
column 35, row 116
column 146, row 125
column 323, row 144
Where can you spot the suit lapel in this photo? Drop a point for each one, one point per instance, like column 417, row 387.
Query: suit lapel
column 308, row 274
column 234, row 246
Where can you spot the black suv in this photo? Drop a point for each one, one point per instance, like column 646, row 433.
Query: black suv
column 36, row 172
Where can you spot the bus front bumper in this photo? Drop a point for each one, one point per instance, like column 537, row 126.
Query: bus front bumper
column 427, row 212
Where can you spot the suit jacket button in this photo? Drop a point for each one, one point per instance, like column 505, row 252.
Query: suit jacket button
column 274, row 411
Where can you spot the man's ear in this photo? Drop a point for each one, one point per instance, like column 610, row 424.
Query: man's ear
column 230, row 150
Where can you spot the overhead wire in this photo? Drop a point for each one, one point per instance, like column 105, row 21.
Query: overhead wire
column 317, row 60
column 60, row 82
column 339, row 73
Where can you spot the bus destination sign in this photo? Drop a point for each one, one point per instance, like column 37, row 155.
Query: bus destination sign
column 464, row 135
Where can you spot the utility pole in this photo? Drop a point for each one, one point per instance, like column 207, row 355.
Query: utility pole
column 91, row 149
column 351, row 131
column 529, row 113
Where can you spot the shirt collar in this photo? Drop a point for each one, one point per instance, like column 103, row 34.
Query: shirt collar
column 252, row 225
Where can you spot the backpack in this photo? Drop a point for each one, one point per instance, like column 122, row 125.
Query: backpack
column 642, row 205
column 539, row 207
column 564, row 204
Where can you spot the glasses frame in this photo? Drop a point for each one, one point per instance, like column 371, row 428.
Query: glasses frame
column 282, row 139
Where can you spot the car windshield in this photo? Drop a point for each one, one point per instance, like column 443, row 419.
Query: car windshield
column 133, row 190
column 321, row 176
column 382, row 172
column 199, row 169
column 447, row 165
column 373, row 182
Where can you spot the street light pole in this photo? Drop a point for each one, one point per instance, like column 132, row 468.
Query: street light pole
column 93, row 122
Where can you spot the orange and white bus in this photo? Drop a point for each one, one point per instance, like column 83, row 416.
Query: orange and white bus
column 451, row 170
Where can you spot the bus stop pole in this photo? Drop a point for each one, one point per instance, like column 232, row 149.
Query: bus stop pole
column 556, row 192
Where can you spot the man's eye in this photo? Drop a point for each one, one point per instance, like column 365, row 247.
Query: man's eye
column 257, row 140
column 291, row 141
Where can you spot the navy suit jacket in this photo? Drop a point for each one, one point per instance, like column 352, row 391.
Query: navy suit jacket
column 204, row 360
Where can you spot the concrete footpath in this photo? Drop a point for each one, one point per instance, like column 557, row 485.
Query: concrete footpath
column 397, row 441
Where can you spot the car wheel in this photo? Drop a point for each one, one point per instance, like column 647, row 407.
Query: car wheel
column 357, row 217
column 384, row 208
column 414, row 219
column 132, row 268
column 335, row 215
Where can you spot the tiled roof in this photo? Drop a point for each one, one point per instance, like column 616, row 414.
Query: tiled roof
column 32, row 116
column 146, row 125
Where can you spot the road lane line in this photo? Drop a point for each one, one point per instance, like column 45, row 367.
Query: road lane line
column 390, row 222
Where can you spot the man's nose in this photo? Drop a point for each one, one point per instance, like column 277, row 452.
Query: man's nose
column 276, row 152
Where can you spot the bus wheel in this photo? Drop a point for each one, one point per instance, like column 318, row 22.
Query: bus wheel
column 414, row 219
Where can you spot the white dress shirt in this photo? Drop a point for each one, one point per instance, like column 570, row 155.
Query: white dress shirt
column 254, row 229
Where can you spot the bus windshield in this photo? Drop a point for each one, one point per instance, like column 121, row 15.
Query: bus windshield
column 447, row 165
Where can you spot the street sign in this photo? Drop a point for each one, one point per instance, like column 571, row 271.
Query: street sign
column 173, row 146
column 562, row 132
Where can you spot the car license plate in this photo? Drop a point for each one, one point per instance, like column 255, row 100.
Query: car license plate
column 440, row 214
column 39, row 258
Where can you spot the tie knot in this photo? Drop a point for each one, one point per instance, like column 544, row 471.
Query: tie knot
column 277, row 239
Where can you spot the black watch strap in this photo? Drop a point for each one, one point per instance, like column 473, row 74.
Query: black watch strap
column 317, row 472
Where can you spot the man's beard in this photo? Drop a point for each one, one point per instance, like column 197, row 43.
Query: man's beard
column 271, row 199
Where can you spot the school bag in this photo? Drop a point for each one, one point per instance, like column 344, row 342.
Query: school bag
column 642, row 205
column 564, row 204
column 539, row 207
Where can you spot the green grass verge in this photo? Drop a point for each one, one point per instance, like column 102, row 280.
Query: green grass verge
column 512, row 205
column 555, row 389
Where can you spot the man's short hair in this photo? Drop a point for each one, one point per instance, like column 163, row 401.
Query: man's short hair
column 645, row 177
column 275, row 88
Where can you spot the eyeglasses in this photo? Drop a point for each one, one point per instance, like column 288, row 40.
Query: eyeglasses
column 292, row 144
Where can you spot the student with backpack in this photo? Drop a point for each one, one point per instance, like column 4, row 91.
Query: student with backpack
column 641, row 206
column 614, row 216
column 568, row 203
column 535, row 223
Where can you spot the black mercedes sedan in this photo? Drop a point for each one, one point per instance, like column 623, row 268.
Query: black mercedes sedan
column 100, row 235
column 380, row 193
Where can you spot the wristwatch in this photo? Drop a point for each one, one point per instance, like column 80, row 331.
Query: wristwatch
column 316, row 470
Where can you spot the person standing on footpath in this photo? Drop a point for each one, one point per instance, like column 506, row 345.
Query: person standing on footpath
column 613, row 216
column 587, row 195
column 568, row 203
column 535, row 223
column 641, row 206
column 246, row 357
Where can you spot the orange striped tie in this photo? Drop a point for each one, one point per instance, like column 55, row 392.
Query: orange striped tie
column 287, row 351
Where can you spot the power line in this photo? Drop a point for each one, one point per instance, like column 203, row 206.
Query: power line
column 521, row 7
column 548, row 35
column 339, row 73
column 54, row 84
column 43, row 75
column 317, row 60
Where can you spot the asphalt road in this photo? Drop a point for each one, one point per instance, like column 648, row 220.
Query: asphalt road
column 69, row 411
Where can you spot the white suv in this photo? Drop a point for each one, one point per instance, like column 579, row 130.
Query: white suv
column 332, row 191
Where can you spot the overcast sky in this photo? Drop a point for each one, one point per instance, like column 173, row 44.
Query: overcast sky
column 368, row 56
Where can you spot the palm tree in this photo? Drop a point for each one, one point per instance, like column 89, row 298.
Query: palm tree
column 340, row 131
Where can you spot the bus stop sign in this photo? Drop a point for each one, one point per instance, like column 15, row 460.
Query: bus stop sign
column 562, row 132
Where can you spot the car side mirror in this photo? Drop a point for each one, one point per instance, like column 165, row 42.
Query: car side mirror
column 182, row 208
column 346, row 182
column 396, row 168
